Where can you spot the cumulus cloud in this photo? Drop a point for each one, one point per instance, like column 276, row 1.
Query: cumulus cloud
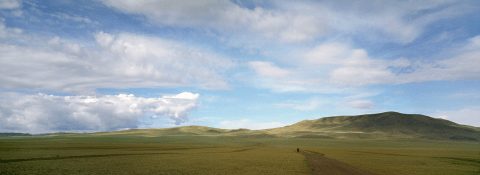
column 123, row 61
column 39, row 113
column 10, row 4
column 249, row 124
column 466, row 116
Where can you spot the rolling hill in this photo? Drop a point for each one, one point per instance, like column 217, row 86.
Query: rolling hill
column 387, row 125
column 392, row 125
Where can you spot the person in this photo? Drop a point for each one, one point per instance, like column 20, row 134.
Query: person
column 298, row 150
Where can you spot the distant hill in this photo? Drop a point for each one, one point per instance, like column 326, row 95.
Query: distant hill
column 13, row 134
column 387, row 125
column 382, row 125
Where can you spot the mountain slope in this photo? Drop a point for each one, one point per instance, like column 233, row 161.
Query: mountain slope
column 382, row 125
column 387, row 125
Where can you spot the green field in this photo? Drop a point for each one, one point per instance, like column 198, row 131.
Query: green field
column 387, row 143
column 77, row 154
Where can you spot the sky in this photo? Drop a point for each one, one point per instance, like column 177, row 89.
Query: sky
column 110, row 65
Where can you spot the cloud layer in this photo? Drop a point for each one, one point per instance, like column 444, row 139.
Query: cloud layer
column 123, row 61
column 297, row 21
column 42, row 113
column 225, row 16
column 339, row 66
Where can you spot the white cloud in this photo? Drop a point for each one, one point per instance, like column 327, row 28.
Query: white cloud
column 10, row 4
column 371, row 72
column 298, row 21
column 327, row 54
column 225, row 16
column 183, row 95
column 17, row 13
column 249, row 124
column 473, row 43
column 401, row 62
column 64, row 16
column 466, row 116
column 398, row 21
column 104, row 39
column 361, row 104
column 443, row 117
column 48, row 113
column 308, row 105
column 268, row 69
column 123, row 61
column 6, row 32
column 340, row 66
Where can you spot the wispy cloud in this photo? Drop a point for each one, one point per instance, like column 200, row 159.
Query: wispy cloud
column 8, row 32
column 64, row 16
column 123, row 61
column 361, row 104
column 342, row 67
column 226, row 17
column 308, row 105
column 10, row 4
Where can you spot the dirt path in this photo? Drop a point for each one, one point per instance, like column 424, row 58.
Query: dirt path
column 323, row 165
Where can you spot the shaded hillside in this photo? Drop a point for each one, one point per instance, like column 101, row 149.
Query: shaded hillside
column 383, row 125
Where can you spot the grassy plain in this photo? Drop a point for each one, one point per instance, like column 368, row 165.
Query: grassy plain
column 384, row 143
column 142, row 158
column 76, row 154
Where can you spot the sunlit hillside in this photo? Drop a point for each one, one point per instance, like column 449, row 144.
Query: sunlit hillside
column 388, row 125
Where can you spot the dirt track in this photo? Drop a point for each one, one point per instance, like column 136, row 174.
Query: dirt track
column 323, row 165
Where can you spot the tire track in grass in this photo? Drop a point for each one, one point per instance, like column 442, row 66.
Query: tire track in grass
column 321, row 165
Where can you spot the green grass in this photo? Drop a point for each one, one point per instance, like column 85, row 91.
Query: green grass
column 107, row 154
column 138, row 158
column 385, row 143
column 406, row 161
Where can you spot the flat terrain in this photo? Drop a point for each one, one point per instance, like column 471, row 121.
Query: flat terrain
column 386, row 143
column 122, row 158
column 214, row 155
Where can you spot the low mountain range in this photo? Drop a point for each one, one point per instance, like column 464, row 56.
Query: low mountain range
column 387, row 125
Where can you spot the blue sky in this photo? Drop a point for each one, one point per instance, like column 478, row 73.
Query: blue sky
column 104, row 65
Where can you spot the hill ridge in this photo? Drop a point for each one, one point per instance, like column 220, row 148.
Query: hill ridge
column 386, row 125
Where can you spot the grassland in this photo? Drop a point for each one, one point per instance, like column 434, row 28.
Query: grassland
column 224, row 155
column 386, row 143
column 139, row 158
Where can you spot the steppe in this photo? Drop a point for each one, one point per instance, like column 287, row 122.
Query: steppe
column 384, row 143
